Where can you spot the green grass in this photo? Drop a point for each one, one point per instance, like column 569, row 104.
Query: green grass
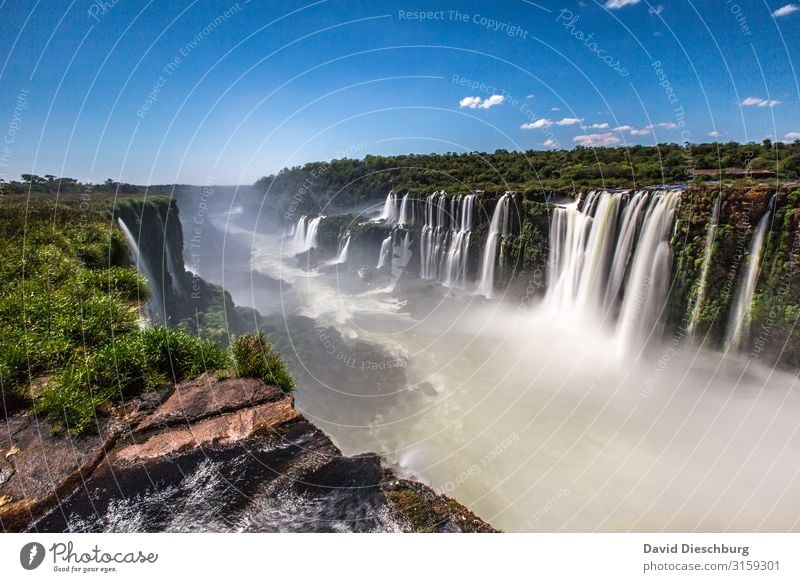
column 254, row 357
column 70, row 342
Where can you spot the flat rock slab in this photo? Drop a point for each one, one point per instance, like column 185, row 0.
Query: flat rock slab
column 223, row 430
column 206, row 396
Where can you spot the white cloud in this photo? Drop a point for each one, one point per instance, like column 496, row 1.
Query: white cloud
column 596, row 139
column 538, row 124
column 664, row 125
column 758, row 102
column 529, row 96
column 713, row 134
column 786, row 10
column 492, row 101
column 623, row 128
column 792, row 135
column 614, row 4
column 656, row 10
column 555, row 109
column 550, row 143
column 476, row 102
column 569, row 121
column 598, row 126
column 643, row 131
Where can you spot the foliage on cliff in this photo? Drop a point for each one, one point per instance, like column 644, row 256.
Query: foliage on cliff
column 309, row 189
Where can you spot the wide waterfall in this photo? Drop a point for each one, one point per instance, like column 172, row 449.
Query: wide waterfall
column 706, row 266
column 457, row 256
column 155, row 307
column 305, row 234
column 740, row 311
column 595, row 270
column 498, row 228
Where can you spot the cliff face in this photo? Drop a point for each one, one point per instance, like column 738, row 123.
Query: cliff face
column 180, row 298
column 208, row 455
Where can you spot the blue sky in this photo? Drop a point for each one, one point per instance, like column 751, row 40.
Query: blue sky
column 223, row 91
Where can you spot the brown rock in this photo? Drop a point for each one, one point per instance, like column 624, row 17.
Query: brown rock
column 205, row 397
column 227, row 429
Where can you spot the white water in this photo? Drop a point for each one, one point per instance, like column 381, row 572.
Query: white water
column 407, row 214
column 342, row 258
column 155, row 306
column 305, row 234
column 386, row 252
column 536, row 421
column 497, row 229
column 704, row 269
column 391, row 211
column 739, row 323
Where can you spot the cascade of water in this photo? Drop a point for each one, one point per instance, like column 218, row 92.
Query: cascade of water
column 498, row 228
column 387, row 249
column 739, row 322
column 156, row 303
column 701, row 287
column 433, row 233
column 342, row 258
column 648, row 282
column 407, row 211
column 311, row 235
column 299, row 238
column 458, row 252
column 390, row 211
column 616, row 245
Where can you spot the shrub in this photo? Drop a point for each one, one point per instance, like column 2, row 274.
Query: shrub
column 68, row 401
column 254, row 357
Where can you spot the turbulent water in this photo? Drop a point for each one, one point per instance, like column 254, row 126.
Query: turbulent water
column 554, row 414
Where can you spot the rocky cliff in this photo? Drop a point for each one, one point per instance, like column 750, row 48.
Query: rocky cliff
column 208, row 455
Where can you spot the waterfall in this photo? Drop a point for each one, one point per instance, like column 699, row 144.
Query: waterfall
column 305, row 234
column 740, row 313
column 706, row 266
column 458, row 253
column 342, row 258
column 390, row 211
column 407, row 211
column 433, row 235
column 498, row 228
column 616, row 246
column 387, row 248
column 156, row 303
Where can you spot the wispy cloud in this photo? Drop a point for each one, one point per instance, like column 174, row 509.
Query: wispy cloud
column 538, row 124
column 599, row 126
column 656, row 10
column 664, row 125
column 623, row 128
column 792, row 135
column 596, row 139
column 478, row 103
column 758, row 102
column 643, row 131
column 550, row 143
column 786, row 10
column 569, row 121
column 615, row 4
column 555, row 109
column 714, row 134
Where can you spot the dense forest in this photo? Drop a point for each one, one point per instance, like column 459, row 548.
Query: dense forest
column 318, row 186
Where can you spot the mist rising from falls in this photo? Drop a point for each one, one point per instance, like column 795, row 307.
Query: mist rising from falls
column 740, row 311
column 391, row 209
column 499, row 227
column 612, row 260
column 706, row 266
column 344, row 251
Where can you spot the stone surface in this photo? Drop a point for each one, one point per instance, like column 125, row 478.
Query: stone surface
column 207, row 455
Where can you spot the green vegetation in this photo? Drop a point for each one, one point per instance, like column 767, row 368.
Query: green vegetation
column 310, row 188
column 70, row 342
column 254, row 357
